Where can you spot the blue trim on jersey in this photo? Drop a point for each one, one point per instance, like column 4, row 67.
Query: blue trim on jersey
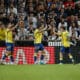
column 9, row 46
column 38, row 47
column 65, row 49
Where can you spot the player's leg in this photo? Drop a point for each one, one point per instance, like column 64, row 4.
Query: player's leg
column 62, row 50
column 6, row 53
column 42, row 54
column 61, row 58
column 42, row 57
column 9, row 47
column 36, row 53
column 4, row 57
column 11, row 54
column 70, row 55
column 35, row 58
column 46, row 56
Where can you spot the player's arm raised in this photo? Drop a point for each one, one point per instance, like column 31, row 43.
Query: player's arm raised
column 43, row 29
column 11, row 27
column 14, row 27
column 56, row 33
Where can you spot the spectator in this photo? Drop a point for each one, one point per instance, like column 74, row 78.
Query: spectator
column 12, row 9
column 30, row 30
column 70, row 11
column 73, row 30
column 78, row 29
column 22, row 32
column 32, row 19
column 12, row 19
column 63, row 23
column 69, row 3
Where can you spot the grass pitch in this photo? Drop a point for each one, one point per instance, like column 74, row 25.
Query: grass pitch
column 40, row 72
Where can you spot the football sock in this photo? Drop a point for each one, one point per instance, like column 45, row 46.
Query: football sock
column 3, row 58
column 11, row 58
column 42, row 57
column 61, row 60
column 35, row 58
column 71, row 58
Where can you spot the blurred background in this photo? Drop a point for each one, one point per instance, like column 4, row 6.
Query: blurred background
column 53, row 13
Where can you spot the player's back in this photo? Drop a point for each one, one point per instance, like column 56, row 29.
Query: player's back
column 65, row 39
column 8, row 36
column 37, row 36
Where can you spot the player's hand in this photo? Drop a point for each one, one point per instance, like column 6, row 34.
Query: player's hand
column 10, row 25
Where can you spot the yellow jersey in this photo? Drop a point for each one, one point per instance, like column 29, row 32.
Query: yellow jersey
column 2, row 34
column 9, row 36
column 38, row 36
column 65, row 39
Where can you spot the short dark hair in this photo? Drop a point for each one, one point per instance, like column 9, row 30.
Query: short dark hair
column 38, row 25
column 63, row 27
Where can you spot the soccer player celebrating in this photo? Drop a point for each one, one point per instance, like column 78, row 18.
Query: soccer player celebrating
column 65, row 39
column 9, row 43
column 38, row 35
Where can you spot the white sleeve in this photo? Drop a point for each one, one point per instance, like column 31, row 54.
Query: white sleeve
column 70, row 31
column 15, row 11
column 59, row 25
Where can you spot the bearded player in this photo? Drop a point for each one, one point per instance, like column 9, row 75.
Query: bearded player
column 38, row 36
column 65, row 40
column 9, row 43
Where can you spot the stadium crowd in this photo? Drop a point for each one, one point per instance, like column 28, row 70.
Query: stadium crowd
column 51, row 13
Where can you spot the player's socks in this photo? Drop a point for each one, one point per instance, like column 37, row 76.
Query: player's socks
column 3, row 58
column 11, row 58
column 41, row 59
column 61, row 60
column 71, row 58
column 35, row 58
